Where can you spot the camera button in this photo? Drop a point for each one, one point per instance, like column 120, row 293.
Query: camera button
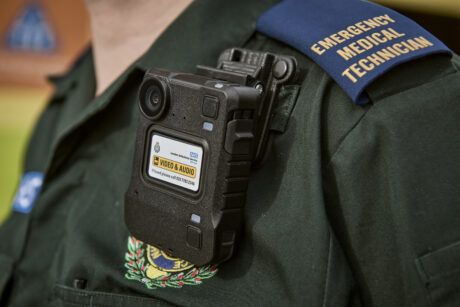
column 239, row 137
column 210, row 106
column 194, row 237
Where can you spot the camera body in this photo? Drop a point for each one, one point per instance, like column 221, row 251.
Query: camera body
column 194, row 147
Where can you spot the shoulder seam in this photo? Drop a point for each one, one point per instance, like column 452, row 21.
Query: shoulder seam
column 345, row 137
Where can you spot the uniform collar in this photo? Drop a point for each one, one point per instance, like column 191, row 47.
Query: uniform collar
column 197, row 36
column 64, row 82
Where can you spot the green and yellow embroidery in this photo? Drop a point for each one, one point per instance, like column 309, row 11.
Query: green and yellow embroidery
column 156, row 269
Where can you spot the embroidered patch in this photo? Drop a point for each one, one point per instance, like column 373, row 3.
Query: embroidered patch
column 156, row 269
column 29, row 188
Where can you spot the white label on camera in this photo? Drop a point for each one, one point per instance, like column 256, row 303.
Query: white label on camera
column 175, row 162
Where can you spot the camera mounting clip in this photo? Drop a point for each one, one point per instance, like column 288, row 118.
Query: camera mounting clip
column 264, row 71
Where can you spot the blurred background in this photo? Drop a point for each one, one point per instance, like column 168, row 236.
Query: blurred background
column 39, row 38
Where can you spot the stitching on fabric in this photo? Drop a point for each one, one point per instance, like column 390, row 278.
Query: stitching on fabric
column 329, row 260
column 441, row 275
column 73, row 304
column 422, row 270
column 425, row 278
column 64, row 291
column 345, row 137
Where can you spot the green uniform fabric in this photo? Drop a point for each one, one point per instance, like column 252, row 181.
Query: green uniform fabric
column 355, row 205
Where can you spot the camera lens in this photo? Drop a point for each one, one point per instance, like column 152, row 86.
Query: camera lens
column 152, row 98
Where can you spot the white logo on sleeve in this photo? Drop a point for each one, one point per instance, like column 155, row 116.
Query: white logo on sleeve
column 28, row 191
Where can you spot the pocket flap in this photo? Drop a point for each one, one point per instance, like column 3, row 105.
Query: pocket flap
column 441, row 262
column 440, row 271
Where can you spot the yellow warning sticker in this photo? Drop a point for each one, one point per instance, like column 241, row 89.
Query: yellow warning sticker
column 175, row 162
column 174, row 166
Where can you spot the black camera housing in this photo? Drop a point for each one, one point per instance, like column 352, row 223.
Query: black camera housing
column 198, row 136
column 199, row 226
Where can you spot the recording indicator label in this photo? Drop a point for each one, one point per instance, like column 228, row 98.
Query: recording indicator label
column 175, row 162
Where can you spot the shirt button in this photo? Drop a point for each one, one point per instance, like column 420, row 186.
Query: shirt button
column 79, row 283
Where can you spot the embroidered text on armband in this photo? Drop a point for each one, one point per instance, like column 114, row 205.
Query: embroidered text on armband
column 354, row 41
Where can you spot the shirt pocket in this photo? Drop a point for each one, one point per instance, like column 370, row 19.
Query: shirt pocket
column 440, row 272
column 67, row 296
column 6, row 270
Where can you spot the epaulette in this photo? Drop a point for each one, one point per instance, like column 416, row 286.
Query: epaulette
column 354, row 41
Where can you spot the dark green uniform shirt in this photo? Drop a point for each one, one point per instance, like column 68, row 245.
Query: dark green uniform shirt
column 355, row 205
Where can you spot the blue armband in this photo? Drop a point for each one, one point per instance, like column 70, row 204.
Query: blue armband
column 354, row 41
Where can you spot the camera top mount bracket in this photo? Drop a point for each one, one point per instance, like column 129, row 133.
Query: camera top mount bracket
column 264, row 71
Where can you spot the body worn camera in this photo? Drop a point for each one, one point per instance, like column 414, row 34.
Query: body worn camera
column 197, row 138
